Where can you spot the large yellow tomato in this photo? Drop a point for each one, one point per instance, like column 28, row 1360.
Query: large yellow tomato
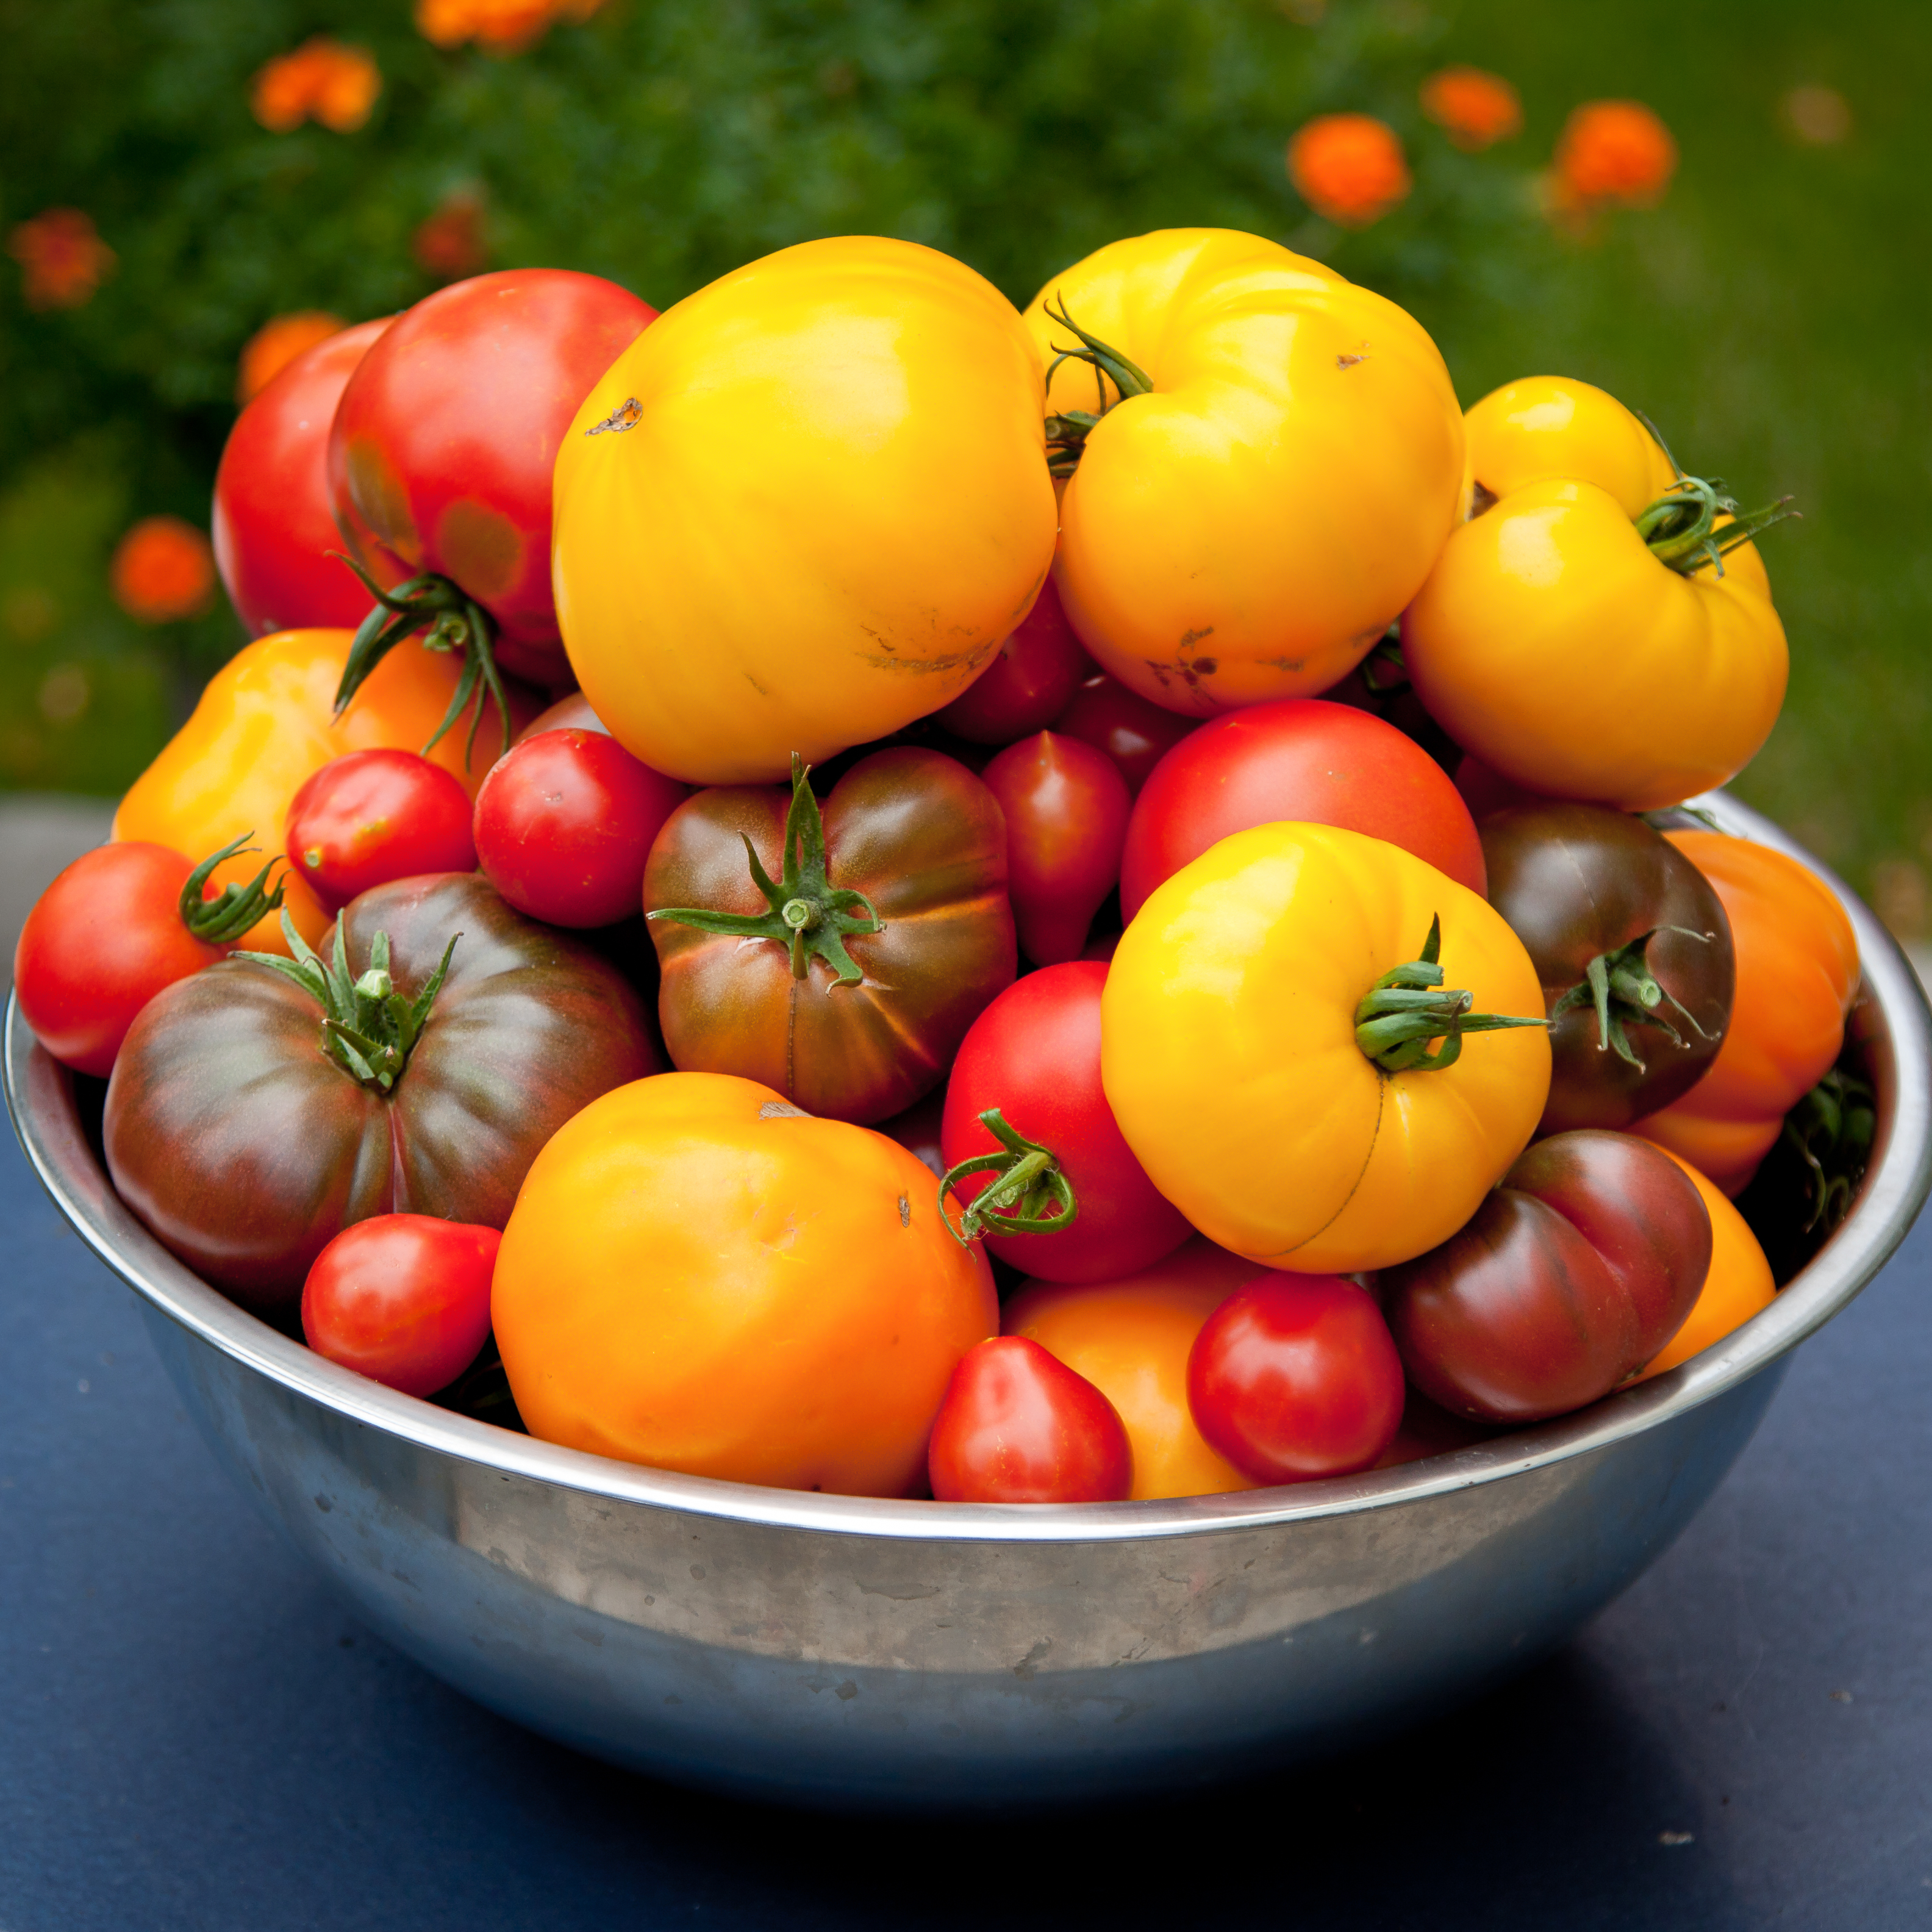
column 262, row 726
column 699, row 1276
column 1251, row 524
column 805, row 507
column 1552, row 426
column 1231, row 1055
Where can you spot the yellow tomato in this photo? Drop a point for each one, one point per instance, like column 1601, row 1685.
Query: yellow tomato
column 1229, row 1053
column 805, row 507
column 699, row 1276
column 1547, row 427
column 262, row 726
column 1248, row 527
column 1738, row 1285
column 1130, row 1339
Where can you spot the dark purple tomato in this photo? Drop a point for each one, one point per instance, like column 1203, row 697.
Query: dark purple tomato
column 1029, row 682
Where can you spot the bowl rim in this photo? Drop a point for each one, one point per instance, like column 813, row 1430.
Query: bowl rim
column 39, row 1098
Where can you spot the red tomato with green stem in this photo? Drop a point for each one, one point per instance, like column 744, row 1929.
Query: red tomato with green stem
column 404, row 1299
column 1030, row 681
column 374, row 816
column 1018, row 1426
column 1295, row 1377
column 1034, row 1055
column 1134, row 731
column 1066, row 807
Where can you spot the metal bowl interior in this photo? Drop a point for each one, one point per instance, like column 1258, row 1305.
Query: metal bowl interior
column 833, row 1649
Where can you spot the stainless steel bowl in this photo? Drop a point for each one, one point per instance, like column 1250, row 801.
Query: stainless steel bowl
column 835, row 1650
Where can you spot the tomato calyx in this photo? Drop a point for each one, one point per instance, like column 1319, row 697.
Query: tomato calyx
column 1032, row 1196
column 1681, row 527
column 807, row 914
column 1409, row 1006
column 1067, row 430
column 368, row 1027
column 451, row 620
column 1626, row 993
column 223, row 919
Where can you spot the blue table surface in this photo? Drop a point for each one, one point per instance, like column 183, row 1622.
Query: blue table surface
column 193, row 1734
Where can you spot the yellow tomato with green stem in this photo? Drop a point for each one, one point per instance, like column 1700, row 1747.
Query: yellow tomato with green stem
column 1323, row 1052
column 1545, row 427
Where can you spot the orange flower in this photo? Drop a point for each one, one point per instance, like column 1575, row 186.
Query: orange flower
column 163, row 570
column 449, row 244
column 1348, row 167
column 1613, row 153
column 1474, row 109
column 277, row 344
column 504, row 26
column 321, row 80
column 64, row 259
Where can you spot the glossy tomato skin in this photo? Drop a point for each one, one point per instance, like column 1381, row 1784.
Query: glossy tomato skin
column 570, row 712
column 1133, row 731
column 1293, row 1379
column 247, row 1150
column 1576, row 881
column 1031, row 679
column 370, row 817
column 100, row 942
column 1298, row 758
column 565, row 822
column 1018, row 1426
column 404, row 1299
column 1066, row 809
column 443, row 444
column 1570, row 1276
column 1035, row 1054
column 274, row 524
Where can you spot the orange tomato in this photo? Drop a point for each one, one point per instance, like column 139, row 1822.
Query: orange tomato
column 263, row 726
column 1130, row 1339
column 1738, row 1285
column 1797, row 976
column 699, row 1276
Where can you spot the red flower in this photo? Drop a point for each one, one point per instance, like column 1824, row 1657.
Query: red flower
column 63, row 258
column 1474, row 109
column 164, row 570
column 321, row 80
column 450, row 243
column 503, row 26
column 1348, row 167
column 1614, row 153
column 277, row 344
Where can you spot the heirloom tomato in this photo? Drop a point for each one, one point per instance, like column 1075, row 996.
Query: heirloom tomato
column 263, row 724
column 1030, row 682
column 1018, row 1426
column 1299, row 758
column 116, row 926
column 805, row 509
column 848, row 981
column 1066, row 806
column 370, row 817
column 1283, row 1044
column 1738, row 1284
column 1265, row 461
column 806, row 1304
column 1551, row 427
column 1130, row 1338
column 260, row 1108
column 1033, row 1056
column 1131, row 730
column 1570, row 1276
column 1633, row 949
column 275, row 529
column 1797, row 977
column 570, row 712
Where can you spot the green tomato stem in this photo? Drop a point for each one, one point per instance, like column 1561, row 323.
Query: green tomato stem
column 223, row 919
column 1409, row 1006
column 1032, row 1196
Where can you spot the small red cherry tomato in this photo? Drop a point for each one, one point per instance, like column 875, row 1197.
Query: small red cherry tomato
column 1303, row 759
column 1131, row 730
column 1027, row 684
column 1067, row 807
column 118, row 925
column 404, row 1299
column 1295, row 1377
column 1018, row 1426
column 570, row 712
column 371, row 816
column 1034, row 1054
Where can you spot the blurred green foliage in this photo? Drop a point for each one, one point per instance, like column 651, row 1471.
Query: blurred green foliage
column 1768, row 315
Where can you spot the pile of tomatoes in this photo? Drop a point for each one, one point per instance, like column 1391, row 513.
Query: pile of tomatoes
column 900, row 897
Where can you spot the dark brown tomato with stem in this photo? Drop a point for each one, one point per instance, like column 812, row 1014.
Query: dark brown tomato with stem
column 839, row 953
column 416, row 1065
column 1634, row 950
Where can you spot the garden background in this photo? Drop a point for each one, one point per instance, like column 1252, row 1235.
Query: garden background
column 1768, row 311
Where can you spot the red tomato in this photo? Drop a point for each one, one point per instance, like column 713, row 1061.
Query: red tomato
column 564, row 824
column 1018, row 1426
column 1035, row 1054
column 1295, row 1377
column 273, row 527
column 1027, row 684
column 371, row 816
column 1133, row 731
column 440, row 456
column 570, row 712
column 1302, row 759
column 404, row 1299
column 1066, row 809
